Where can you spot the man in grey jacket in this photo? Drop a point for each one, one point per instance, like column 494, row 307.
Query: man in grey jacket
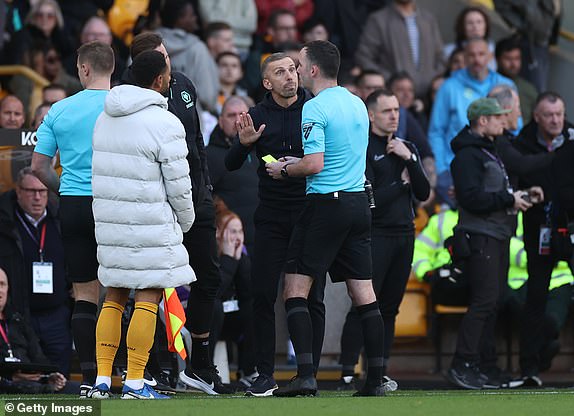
column 402, row 37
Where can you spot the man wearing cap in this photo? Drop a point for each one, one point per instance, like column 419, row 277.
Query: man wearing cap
column 487, row 206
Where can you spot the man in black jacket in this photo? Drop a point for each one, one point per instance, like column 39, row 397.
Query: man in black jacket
column 30, row 234
column 397, row 177
column 200, row 241
column 273, row 127
column 547, row 133
column 238, row 189
column 486, row 208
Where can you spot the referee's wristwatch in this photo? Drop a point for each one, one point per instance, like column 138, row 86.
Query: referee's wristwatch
column 284, row 172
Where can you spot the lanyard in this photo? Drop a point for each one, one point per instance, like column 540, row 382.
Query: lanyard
column 33, row 237
column 500, row 164
column 5, row 338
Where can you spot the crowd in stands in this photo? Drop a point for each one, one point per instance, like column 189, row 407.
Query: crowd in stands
column 220, row 45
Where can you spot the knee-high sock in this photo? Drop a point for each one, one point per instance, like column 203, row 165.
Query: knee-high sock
column 84, row 332
column 373, row 333
column 301, row 331
column 108, row 335
column 140, row 338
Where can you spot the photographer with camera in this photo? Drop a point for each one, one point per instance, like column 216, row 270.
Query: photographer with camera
column 487, row 205
column 397, row 179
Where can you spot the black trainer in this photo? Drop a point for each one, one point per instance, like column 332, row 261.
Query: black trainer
column 466, row 375
column 298, row 386
column 371, row 390
column 531, row 381
column 347, row 383
column 263, row 386
column 206, row 380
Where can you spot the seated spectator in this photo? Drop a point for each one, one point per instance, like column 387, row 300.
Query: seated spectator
column 233, row 309
column 387, row 32
column 471, row 23
column 369, row 81
column 238, row 188
column 240, row 15
column 301, row 10
column 314, row 29
column 455, row 61
column 12, row 115
column 403, row 87
column 449, row 110
column 33, row 235
column 509, row 59
column 44, row 25
column 219, row 38
column 230, row 73
column 19, row 344
column 188, row 54
column 53, row 93
column 39, row 115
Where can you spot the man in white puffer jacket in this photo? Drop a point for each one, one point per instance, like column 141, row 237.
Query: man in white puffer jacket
column 142, row 205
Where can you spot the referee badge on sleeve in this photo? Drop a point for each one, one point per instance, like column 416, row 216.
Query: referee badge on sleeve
column 307, row 127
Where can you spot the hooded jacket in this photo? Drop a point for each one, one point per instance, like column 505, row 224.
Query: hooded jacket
column 189, row 55
column 449, row 110
column 481, row 186
column 142, row 192
column 281, row 137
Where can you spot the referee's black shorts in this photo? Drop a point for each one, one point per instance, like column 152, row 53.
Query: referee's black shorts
column 332, row 234
column 78, row 237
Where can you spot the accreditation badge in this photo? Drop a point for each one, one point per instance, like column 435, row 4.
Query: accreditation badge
column 544, row 241
column 43, row 277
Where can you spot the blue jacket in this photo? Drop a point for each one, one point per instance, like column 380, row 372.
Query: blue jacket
column 449, row 110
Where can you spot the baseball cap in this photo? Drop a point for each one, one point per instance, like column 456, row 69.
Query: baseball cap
column 484, row 107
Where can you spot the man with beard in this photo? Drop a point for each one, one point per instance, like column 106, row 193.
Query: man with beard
column 273, row 128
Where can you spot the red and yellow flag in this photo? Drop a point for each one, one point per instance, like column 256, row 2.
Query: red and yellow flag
column 174, row 321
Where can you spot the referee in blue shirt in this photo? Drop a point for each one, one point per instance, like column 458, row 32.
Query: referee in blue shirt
column 333, row 231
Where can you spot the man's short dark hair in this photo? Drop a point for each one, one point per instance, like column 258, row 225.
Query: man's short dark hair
column 399, row 76
column 227, row 53
column 146, row 67
column 54, row 86
column 146, row 41
column 549, row 96
column 373, row 97
column 506, row 45
column 214, row 28
column 361, row 77
column 98, row 55
column 274, row 57
column 325, row 55
column 274, row 16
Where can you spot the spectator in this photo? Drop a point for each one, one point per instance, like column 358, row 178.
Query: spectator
column 314, row 29
column 39, row 115
column 509, row 59
column 455, row 61
column 188, row 54
column 230, row 73
column 471, row 23
column 219, row 38
column 534, row 21
column 12, row 115
column 240, row 15
column 368, row 82
column 450, row 106
column 238, row 189
column 44, row 25
column 78, row 12
column 32, row 235
column 382, row 46
column 53, row 93
column 233, row 316
column 301, row 9
column 20, row 342
column 54, row 72
column 403, row 87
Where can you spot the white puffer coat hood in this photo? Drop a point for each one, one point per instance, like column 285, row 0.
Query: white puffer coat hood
column 142, row 192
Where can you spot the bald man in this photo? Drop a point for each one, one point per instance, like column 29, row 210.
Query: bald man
column 12, row 114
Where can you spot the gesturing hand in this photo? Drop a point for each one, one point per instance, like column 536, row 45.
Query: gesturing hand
column 247, row 133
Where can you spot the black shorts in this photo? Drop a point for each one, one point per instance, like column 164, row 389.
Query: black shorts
column 332, row 234
column 78, row 237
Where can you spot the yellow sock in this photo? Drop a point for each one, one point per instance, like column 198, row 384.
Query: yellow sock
column 140, row 338
column 108, row 334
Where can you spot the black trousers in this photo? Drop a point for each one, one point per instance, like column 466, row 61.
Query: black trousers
column 486, row 270
column 273, row 230
column 392, row 257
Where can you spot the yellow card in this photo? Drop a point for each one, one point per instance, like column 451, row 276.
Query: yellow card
column 269, row 159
